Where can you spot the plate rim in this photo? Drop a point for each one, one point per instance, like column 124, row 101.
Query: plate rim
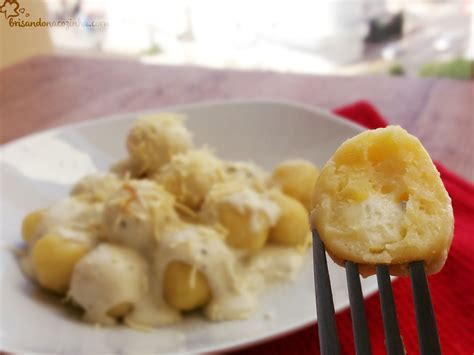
column 325, row 113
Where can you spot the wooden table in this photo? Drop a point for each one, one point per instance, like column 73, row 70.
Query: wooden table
column 49, row 91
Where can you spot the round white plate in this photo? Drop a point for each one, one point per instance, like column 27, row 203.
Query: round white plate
column 39, row 169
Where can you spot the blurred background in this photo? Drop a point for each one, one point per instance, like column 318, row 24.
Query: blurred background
column 351, row 37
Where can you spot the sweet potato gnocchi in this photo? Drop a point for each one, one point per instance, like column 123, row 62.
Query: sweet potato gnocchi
column 170, row 229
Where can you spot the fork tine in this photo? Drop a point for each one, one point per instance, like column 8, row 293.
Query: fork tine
column 328, row 340
column 393, row 341
column 425, row 320
column 359, row 321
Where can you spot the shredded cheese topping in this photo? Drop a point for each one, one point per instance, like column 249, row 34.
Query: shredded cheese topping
column 160, row 205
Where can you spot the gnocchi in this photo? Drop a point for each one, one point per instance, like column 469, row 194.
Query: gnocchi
column 296, row 178
column 154, row 139
column 135, row 213
column 185, row 287
column 244, row 213
column 292, row 226
column 108, row 281
column 380, row 200
column 168, row 230
column 189, row 176
column 54, row 258
column 30, row 225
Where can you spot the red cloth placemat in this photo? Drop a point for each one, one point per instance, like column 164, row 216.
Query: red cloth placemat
column 452, row 289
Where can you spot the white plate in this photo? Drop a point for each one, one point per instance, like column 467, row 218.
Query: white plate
column 40, row 168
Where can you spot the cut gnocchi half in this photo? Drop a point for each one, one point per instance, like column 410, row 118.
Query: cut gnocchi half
column 380, row 200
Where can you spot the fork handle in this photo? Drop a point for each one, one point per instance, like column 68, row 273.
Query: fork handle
column 328, row 339
column 393, row 341
column 359, row 320
column 425, row 319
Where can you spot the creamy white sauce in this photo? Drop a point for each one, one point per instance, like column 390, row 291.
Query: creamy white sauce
column 106, row 277
column 113, row 274
column 244, row 199
column 248, row 173
column 276, row 263
column 248, row 199
column 151, row 311
column 205, row 249
column 126, row 273
column 137, row 232
column 135, row 213
column 96, row 187
column 72, row 219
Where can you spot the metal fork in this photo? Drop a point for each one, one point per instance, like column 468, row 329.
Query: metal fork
column 328, row 339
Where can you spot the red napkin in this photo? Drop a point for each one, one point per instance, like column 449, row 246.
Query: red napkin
column 452, row 289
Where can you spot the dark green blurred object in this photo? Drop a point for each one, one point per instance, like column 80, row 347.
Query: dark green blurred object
column 458, row 68
column 396, row 69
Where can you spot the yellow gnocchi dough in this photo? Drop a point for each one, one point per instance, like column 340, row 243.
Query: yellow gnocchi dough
column 296, row 178
column 54, row 258
column 30, row 225
column 154, row 139
column 246, row 214
column 120, row 310
column 380, row 200
column 185, row 288
column 244, row 233
column 292, row 226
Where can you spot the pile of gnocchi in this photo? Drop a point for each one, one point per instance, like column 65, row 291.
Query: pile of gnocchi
column 170, row 229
